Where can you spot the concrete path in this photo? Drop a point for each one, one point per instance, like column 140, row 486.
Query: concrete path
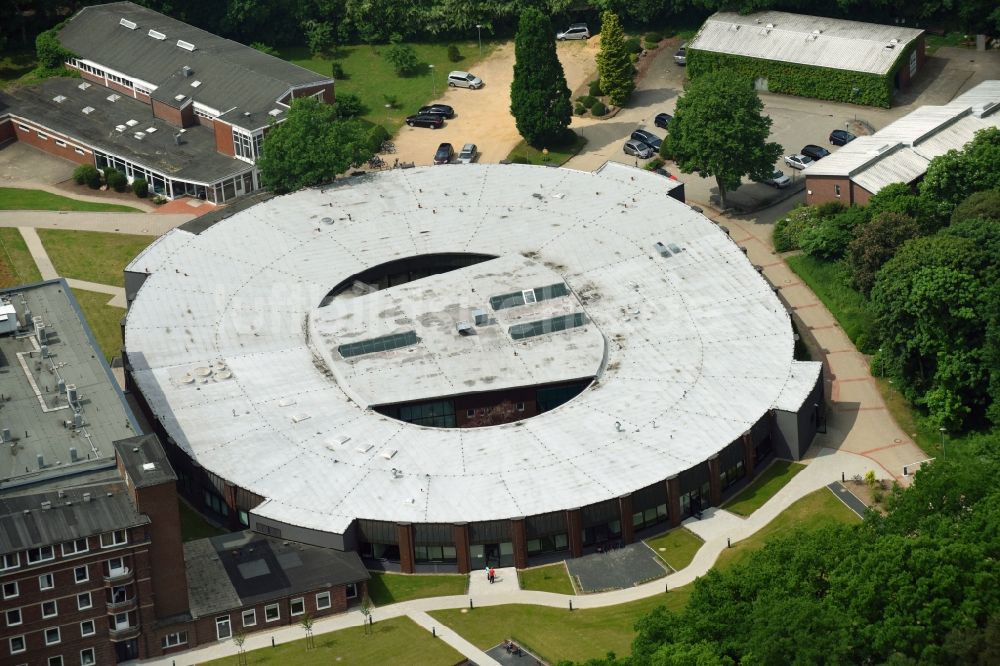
column 849, row 499
column 122, row 223
column 505, row 582
column 48, row 270
column 453, row 639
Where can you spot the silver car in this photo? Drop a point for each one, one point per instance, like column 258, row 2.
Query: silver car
column 458, row 79
column 798, row 161
column 467, row 154
column 575, row 31
column 638, row 149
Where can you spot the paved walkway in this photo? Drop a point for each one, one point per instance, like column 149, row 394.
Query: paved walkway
column 48, row 270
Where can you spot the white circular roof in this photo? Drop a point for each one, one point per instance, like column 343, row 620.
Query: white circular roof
column 228, row 345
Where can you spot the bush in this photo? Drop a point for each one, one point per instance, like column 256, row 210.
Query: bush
column 377, row 135
column 632, row 45
column 654, row 163
column 788, row 231
column 391, row 100
column 337, row 71
column 140, row 187
column 653, row 37
column 49, row 50
column 86, row 174
column 403, row 59
column 598, row 109
column 116, row 180
column 453, row 54
column 349, row 105
column 264, row 48
column 519, row 159
column 595, row 88
column 579, row 109
column 587, row 101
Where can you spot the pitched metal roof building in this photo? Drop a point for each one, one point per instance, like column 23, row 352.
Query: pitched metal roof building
column 901, row 151
column 495, row 365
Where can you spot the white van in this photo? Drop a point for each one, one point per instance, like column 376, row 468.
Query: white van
column 464, row 80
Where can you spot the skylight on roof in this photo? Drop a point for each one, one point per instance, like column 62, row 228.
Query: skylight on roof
column 384, row 343
column 150, row 130
column 195, row 84
column 59, row 99
column 131, row 25
column 187, row 46
column 87, row 110
column 131, row 123
column 113, row 98
column 542, row 326
column 519, row 298
column 156, row 34
column 179, row 98
column 120, row 128
column 139, row 136
column 83, row 86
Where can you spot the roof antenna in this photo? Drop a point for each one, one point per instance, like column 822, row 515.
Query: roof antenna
column 618, row 426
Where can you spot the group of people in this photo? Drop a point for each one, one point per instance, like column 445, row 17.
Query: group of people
column 513, row 648
column 491, row 575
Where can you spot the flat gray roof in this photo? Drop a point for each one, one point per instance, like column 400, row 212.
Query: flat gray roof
column 696, row 347
column 39, row 416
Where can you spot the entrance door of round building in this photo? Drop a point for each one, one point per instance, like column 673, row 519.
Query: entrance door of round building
column 492, row 555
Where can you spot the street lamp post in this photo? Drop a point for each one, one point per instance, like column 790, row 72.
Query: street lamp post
column 479, row 30
column 433, row 85
column 944, row 452
column 881, row 364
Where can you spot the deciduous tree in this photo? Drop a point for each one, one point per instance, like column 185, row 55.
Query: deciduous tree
column 876, row 243
column 539, row 98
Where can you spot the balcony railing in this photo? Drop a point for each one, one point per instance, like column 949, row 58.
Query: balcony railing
column 123, row 575
column 122, row 605
column 123, row 633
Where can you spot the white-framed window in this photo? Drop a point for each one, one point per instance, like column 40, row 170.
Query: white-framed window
column 17, row 644
column 121, row 621
column 10, row 590
column 297, row 606
column 50, row 608
column 46, row 582
column 112, row 539
column 81, row 574
column 10, row 561
column 322, row 600
column 61, row 144
column 519, row 406
column 52, row 636
column 56, row 660
column 272, row 613
column 43, row 554
column 24, row 128
column 78, row 151
column 14, row 617
column 352, row 591
column 87, row 657
column 76, row 546
column 223, row 629
column 83, row 601
column 249, row 618
column 836, row 190
column 174, row 639
column 469, row 413
column 43, row 137
column 87, row 628
column 243, row 145
column 116, row 567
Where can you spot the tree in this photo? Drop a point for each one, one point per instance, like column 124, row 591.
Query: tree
column 49, row 50
column 311, row 146
column 319, row 36
column 539, row 98
column 403, row 58
column 239, row 639
column 307, row 623
column 875, row 244
column 952, row 177
column 983, row 205
column 718, row 130
column 614, row 67
column 264, row 48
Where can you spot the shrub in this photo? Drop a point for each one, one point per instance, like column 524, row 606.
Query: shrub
column 653, row 38
column 598, row 109
column 391, row 100
column 140, row 187
column 264, row 48
column 588, row 101
column 377, row 135
column 49, row 50
column 453, row 54
column 519, row 159
column 116, row 180
column 654, row 163
column 85, row 173
column 348, row 105
column 632, row 45
column 595, row 88
column 579, row 109
column 337, row 71
column 403, row 59
column 788, row 231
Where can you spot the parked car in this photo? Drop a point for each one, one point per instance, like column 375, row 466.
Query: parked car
column 681, row 56
column 841, row 137
column 662, row 120
column 575, row 31
column 444, row 154
column 468, row 154
column 814, row 151
column 425, row 120
column 798, row 161
column 638, row 149
column 458, row 79
column 437, row 110
column 778, row 179
column 647, row 138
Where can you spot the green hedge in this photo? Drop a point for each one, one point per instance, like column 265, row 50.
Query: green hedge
column 803, row 80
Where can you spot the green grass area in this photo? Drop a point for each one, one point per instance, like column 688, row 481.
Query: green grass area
column 370, row 77
column 830, row 282
column 16, row 198
column 399, row 641
column 92, row 255
column 389, row 588
column 557, row 155
column 764, row 487
column 677, row 547
column 551, row 578
column 817, row 509
column 934, row 42
column 15, row 66
column 557, row 633
column 16, row 265
column 194, row 526
column 104, row 320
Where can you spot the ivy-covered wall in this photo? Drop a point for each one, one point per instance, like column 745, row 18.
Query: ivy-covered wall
column 803, row 80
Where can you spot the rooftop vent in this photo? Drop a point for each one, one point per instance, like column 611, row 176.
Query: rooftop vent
column 179, row 98
column 139, row 136
column 662, row 249
column 187, row 46
column 59, row 99
column 83, row 86
column 87, row 110
column 131, row 25
column 46, row 505
column 480, row 317
column 150, row 130
column 148, row 467
column 195, row 84
column 113, row 98
column 86, row 497
column 274, row 112
column 156, row 34
column 131, row 122
column 769, row 26
column 388, row 453
column 465, row 328
column 187, row 71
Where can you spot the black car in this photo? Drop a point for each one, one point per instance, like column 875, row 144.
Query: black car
column 647, row 138
column 437, row 110
column 815, row 152
column 444, row 154
column 841, row 137
column 425, row 120
column 662, row 120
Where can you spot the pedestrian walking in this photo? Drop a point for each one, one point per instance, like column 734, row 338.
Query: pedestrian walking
column 493, row 575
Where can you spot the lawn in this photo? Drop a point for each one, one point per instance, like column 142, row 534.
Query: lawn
column 389, row 588
column 371, row 78
column 677, row 547
column 551, row 578
column 557, row 155
column 92, row 255
column 193, row 526
column 557, row 633
column 397, row 641
column 934, row 42
column 16, row 265
column 764, row 487
column 16, row 198
column 817, row 509
column 829, row 281
column 104, row 320
column 15, row 65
